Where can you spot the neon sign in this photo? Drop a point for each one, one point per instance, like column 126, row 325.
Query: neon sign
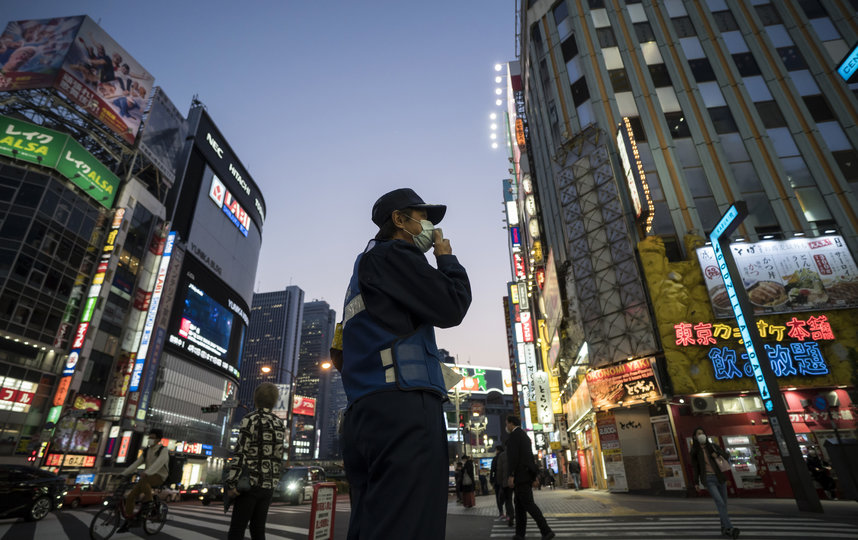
column 150, row 316
column 786, row 360
column 815, row 328
column 753, row 359
column 227, row 202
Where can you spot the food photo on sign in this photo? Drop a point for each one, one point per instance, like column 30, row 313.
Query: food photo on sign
column 704, row 352
column 784, row 276
column 622, row 384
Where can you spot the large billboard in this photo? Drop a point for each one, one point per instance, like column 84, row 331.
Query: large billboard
column 786, row 276
column 208, row 321
column 77, row 57
column 164, row 134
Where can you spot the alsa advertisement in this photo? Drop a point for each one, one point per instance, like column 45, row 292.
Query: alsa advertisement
column 78, row 58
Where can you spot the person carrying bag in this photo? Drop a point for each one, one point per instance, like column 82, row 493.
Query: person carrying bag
column 710, row 462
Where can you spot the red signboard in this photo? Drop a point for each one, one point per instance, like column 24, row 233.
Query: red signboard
column 526, row 327
column 323, row 511
column 304, row 405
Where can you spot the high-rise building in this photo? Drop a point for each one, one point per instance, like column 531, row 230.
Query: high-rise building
column 332, row 403
column 317, row 332
column 634, row 125
column 273, row 340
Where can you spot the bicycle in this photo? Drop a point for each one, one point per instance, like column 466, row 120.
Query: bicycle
column 105, row 523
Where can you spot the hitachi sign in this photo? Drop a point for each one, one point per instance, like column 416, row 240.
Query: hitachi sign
column 239, row 179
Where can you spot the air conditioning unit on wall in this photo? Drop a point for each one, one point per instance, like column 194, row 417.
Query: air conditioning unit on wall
column 703, row 404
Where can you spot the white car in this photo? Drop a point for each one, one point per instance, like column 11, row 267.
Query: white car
column 168, row 494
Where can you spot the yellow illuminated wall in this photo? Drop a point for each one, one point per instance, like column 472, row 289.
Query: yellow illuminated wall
column 679, row 295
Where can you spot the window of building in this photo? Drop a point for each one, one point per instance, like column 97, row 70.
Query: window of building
column 606, row 37
column 644, row 32
column 536, row 40
column 696, row 180
column 771, row 115
column 847, row 160
column 659, row 74
column 596, row 4
column 723, row 120
column 813, row 8
column 725, row 21
column 818, row 107
column 792, row 58
column 580, row 92
column 760, row 207
column 677, row 124
column 619, row 80
column 569, row 48
column 684, row 27
column 702, row 70
column 746, row 64
column 768, row 14
column 560, row 12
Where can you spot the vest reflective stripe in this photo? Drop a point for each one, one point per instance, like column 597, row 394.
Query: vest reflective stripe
column 353, row 308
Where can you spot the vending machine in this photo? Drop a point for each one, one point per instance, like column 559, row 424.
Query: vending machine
column 744, row 456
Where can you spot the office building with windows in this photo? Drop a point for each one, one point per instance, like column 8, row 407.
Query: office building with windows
column 273, row 340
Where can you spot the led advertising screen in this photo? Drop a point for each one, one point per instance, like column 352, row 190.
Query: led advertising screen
column 77, row 57
column 205, row 322
column 208, row 321
column 163, row 134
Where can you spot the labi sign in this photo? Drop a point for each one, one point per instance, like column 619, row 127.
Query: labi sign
column 49, row 148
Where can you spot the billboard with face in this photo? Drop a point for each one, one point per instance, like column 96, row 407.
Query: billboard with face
column 78, row 58
column 32, row 52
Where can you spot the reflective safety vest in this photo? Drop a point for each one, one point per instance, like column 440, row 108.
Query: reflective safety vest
column 375, row 358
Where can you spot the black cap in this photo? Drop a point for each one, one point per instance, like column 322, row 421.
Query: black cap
column 402, row 198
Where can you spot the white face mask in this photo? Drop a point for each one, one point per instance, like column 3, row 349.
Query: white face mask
column 426, row 238
column 701, row 438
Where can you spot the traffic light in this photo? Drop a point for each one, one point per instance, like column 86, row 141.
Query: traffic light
column 210, row 409
column 33, row 455
column 461, row 420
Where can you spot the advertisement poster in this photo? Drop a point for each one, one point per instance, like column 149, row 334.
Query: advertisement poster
column 671, row 468
column 623, row 384
column 304, row 405
column 78, row 58
column 611, row 453
column 786, row 276
column 32, row 51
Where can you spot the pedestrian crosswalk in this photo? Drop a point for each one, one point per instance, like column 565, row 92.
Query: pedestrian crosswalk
column 184, row 522
column 690, row 527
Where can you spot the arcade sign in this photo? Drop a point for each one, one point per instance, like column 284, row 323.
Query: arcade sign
column 227, row 202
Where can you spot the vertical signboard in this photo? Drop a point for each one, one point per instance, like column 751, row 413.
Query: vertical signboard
column 542, row 397
column 137, row 372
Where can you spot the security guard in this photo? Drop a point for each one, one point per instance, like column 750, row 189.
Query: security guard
column 394, row 440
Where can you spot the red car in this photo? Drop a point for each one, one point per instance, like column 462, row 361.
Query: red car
column 84, row 495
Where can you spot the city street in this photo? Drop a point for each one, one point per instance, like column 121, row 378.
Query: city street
column 589, row 514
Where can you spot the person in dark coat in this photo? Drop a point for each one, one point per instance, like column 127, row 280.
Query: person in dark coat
column 522, row 478
column 821, row 472
column 498, row 477
column 574, row 469
column 707, row 473
column 469, row 483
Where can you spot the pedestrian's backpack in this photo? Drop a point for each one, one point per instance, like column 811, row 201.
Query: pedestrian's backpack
column 174, row 468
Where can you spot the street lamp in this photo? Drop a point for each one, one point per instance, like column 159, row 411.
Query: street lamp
column 266, row 370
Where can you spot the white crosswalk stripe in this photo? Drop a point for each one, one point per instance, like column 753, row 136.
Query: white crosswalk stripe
column 691, row 527
column 184, row 522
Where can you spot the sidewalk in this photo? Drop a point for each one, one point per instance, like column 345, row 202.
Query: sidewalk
column 596, row 503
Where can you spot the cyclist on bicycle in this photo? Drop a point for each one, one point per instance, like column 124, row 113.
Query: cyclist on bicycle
column 157, row 467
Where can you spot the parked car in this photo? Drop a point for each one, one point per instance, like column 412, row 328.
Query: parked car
column 168, row 493
column 84, row 495
column 213, row 492
column 29, row 492
column 296, row 484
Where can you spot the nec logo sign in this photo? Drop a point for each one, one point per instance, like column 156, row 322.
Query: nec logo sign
column 215, row 146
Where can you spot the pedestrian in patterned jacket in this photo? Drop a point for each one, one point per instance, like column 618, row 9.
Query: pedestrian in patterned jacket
column 255, row 467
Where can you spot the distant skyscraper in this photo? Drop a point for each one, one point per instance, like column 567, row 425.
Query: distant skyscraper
column 271, row 350
column 332, row 400
column 317, row 331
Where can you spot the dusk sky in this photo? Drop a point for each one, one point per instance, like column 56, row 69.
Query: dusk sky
column 331, row 104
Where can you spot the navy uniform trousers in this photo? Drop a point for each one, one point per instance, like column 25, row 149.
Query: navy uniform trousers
column 395, row 455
